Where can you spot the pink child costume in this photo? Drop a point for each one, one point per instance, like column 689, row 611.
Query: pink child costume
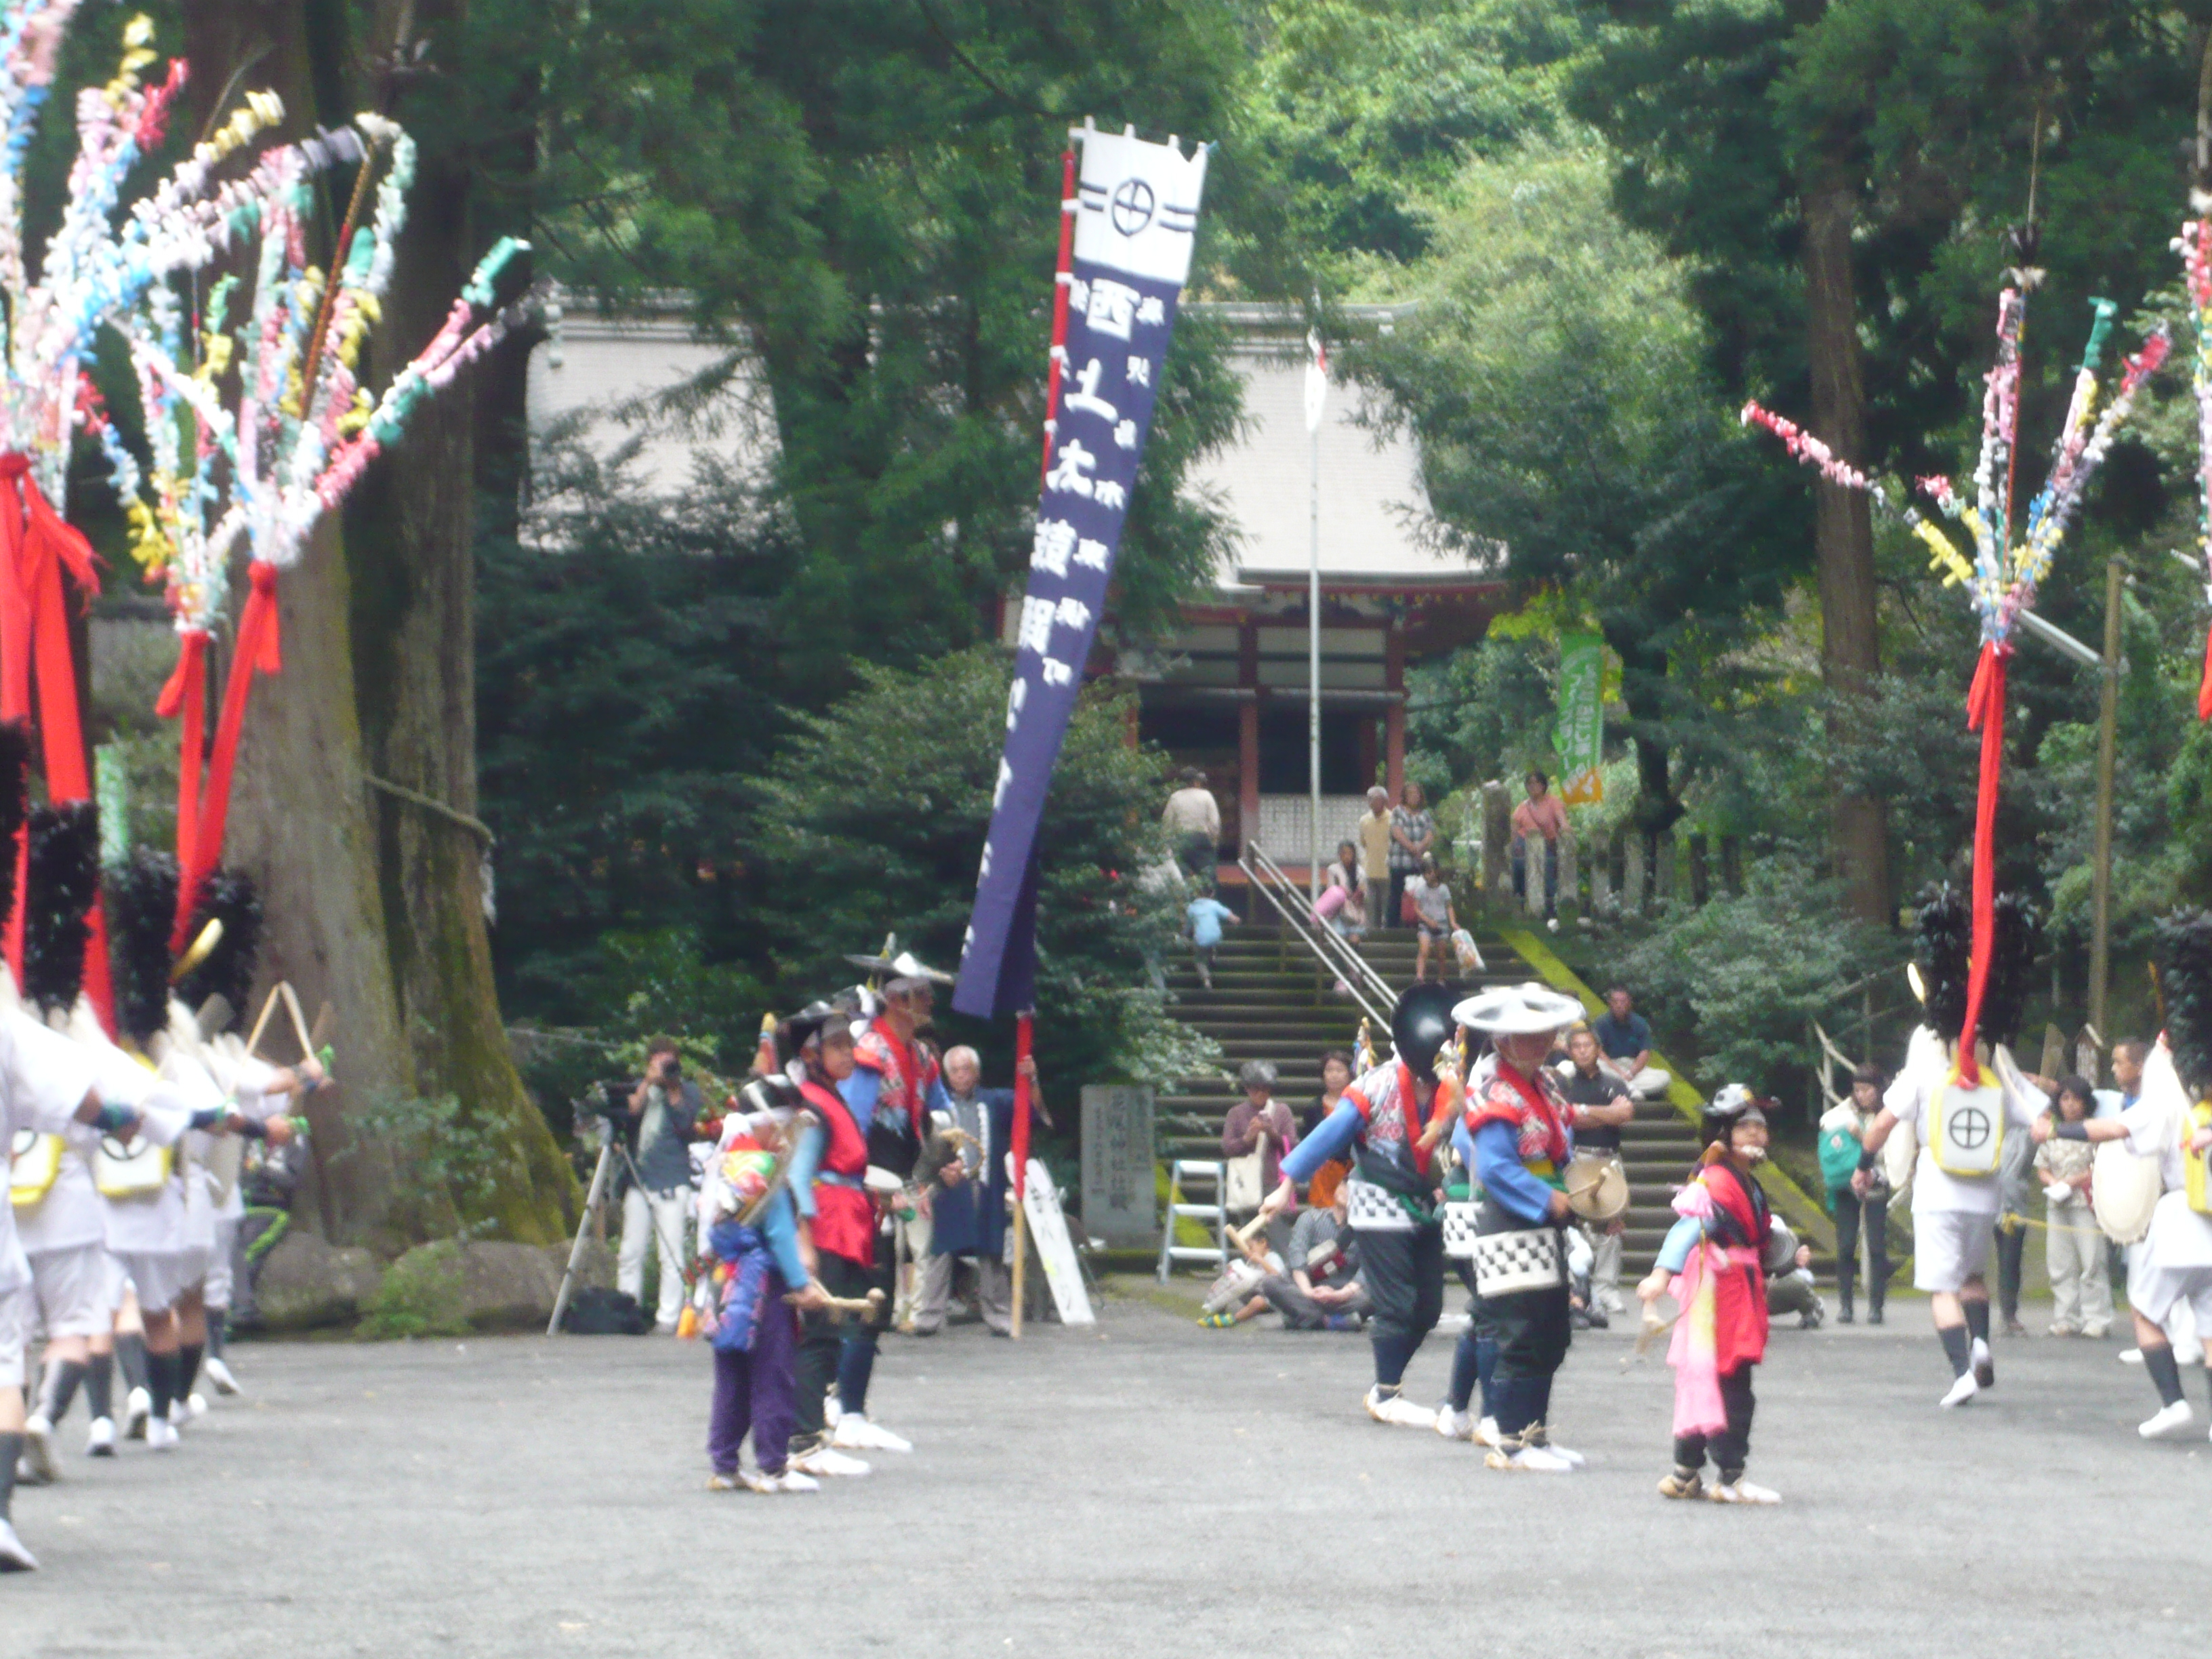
column 1714, row 1263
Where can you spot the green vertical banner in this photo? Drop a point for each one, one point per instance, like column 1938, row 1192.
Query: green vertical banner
column 1579, row 736
column 111, row 786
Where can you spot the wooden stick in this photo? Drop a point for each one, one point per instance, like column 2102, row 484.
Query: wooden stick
column 298, row 1019
column 324, row 1015
column 253, row 1042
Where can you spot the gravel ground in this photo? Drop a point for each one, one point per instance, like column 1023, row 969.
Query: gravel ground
column 1146, row 1488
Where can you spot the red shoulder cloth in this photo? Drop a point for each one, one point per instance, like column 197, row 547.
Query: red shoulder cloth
column 1518, row 1103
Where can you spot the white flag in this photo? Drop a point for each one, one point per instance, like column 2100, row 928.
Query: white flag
column 1317, row 381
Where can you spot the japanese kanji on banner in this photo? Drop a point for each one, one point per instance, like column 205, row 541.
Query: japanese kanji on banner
column 1135, row 212
column 1579, row 736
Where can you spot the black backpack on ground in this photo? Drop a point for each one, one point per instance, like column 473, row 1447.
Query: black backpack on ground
column 599, row 1312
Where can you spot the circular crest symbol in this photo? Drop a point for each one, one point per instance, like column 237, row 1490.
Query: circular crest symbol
column 1970, row 1129
column 1133, row 206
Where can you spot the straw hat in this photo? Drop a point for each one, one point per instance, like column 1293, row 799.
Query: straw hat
column 1518, row 1011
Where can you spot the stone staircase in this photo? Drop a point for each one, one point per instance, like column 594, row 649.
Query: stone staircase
column 1269, row 1002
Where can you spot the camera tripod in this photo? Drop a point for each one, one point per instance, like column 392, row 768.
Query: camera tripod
column 611, row 1146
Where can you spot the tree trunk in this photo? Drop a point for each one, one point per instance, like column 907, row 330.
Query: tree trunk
column 1843, row 535
column 374, row 903
column 410, row 547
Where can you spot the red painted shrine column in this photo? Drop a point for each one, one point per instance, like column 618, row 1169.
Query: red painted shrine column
column 1394, row 711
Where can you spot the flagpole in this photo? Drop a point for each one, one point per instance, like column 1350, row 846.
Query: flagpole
column 1313, row 629
column 1019, row 1152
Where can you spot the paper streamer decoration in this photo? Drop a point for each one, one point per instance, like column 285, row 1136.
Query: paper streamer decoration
column 2003, row 576
column 1136, row 218
column 2195, row 246
column 264, row 471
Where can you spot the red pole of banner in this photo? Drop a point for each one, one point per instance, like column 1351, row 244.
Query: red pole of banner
column 1020, row 1153
column 1063, row 278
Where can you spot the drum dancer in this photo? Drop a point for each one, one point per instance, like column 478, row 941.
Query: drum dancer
column 2170, row 1120
column 1519, row 1122
column 893, row 1088
column 838, row 1240
column 750, row 1228
column 45, row 1088
column 1391, row 1194
column 1714, row 1260
column 1962, row 1130
column 1602, row 1105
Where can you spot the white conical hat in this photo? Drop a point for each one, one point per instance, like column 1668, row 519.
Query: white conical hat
column 1518, row 1010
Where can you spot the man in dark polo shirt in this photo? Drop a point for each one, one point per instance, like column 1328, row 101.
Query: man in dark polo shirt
column 1624, row 1041
column 1603, row 1103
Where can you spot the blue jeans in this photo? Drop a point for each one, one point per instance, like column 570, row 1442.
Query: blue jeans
column 1551, row 873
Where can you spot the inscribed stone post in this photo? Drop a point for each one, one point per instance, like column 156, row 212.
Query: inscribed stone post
column 1119, row 1200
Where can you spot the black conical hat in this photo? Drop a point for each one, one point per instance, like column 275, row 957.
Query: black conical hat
column 1420, row 1024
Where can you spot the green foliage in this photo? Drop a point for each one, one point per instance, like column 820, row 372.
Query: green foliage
column 1358, row 111
column 861, row 198
column 420, row 1295
column 873, row 820
column 455, row 1163
column 1554, row 374
column 1740, row 976
column 630, row 670
column 1926, row 111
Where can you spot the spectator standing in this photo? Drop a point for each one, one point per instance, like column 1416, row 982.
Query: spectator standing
column 1335, row 1079
column 2015, row 1187
column 1602, row 1104
column 1192, row 819
column 1260, row 1123
column 967, row 1194
column 1625, row 1037
column 1319, row 1288
column 2081, row 1287
column 657, row 1205
column 1540, row 817
column 1375, row 856
column 1413, row 836
column 1842, row 1137
column 1206, row 915
column 1433, row 919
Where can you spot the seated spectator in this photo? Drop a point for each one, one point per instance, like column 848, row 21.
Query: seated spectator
column 2080, row 1291
column 1433, row 920
column 1335, row 1079
column 1321, row 1290
column 1625, row 1038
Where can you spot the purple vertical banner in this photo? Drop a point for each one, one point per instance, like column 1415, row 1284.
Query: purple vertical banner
column 1136, row 219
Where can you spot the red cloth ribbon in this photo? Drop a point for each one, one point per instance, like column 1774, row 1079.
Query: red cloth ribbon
column 1985, row 713
column 37, row 546
column 258, row 653
column 185, row 694
column 1021, row 1147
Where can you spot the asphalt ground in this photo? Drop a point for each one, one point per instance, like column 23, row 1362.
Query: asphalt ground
column 1147, row 1488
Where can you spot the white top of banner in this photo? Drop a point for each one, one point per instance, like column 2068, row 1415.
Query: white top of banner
column 1137, row 205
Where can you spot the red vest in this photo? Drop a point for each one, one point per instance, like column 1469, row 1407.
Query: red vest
column 844, row 1216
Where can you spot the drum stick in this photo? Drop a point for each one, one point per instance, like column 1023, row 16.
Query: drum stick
column 299, row 1020
column 324, row 1015
column 253, row 1042
column 1654, row 1329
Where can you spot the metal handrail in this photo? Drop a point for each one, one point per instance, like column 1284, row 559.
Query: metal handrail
column 1332, row 953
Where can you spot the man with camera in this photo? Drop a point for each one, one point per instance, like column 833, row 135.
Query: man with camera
column 656, row 1206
